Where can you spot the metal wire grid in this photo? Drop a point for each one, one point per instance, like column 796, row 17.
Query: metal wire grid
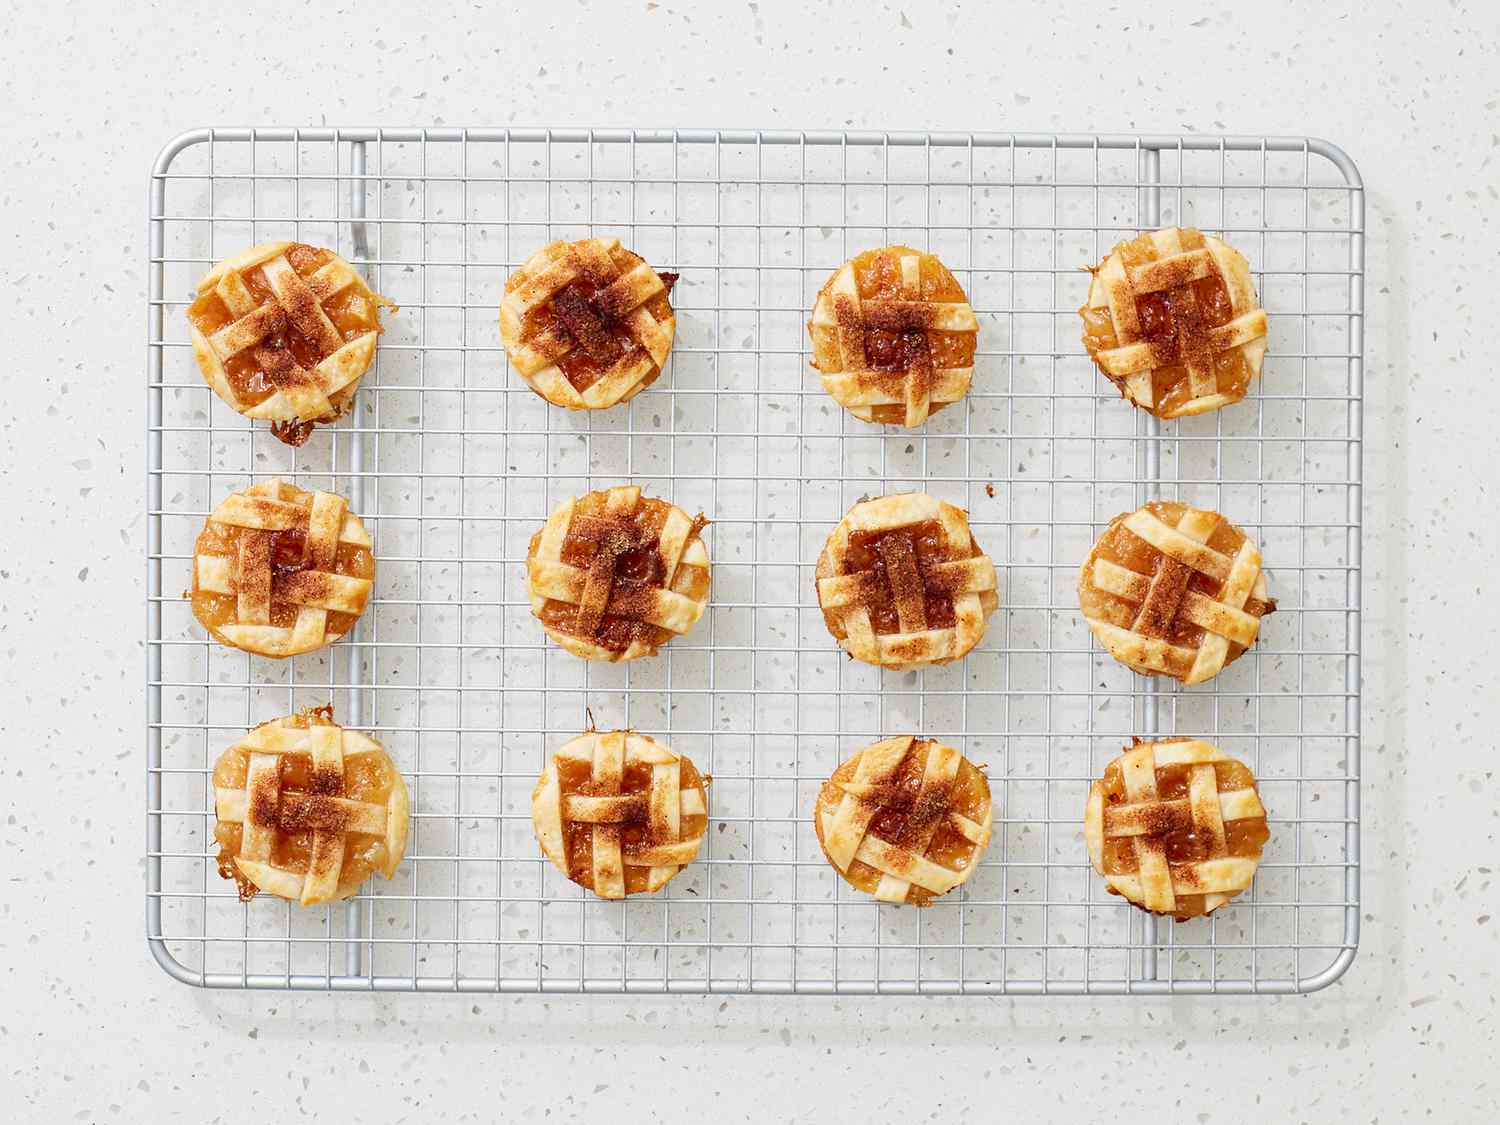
column 453, row 463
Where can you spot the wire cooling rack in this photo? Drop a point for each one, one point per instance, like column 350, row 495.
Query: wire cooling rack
column 453, row 463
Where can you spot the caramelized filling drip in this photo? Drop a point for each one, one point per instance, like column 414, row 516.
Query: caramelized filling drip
column 367, row 777
column 292, row 433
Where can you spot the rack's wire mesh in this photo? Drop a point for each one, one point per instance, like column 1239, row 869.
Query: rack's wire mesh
column 453, row 463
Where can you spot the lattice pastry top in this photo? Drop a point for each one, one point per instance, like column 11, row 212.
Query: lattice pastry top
column 1174, row 590
column 619, row 813
column 1176, row 827
column 278, row 571
column 284, row 332
column 614, row 575
column 893, row 335
column 1173, row 320
column 307, row 810
column 906, row 819
column 588, row 324
column 902, row 582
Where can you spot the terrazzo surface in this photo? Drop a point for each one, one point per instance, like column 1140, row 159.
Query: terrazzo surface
column 92, row 1030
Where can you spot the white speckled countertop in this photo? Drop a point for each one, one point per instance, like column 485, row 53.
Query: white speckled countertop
column 92, row 1030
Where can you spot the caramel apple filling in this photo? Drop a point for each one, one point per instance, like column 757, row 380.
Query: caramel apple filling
column 896, row 349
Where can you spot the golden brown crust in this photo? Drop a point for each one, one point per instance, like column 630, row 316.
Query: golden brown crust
column 278, row 571
column 284, row 332
column 906, row 819
column 893, row 335
column 1175, row 827
column 307, row 811
column 619, row 813
column 1173, row 590
column 613, row 575
column 587, row 324
column 902, row 582
column 1173, row 321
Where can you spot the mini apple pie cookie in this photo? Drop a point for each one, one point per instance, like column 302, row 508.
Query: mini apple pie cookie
column 587, row 324
column 1176, row 827
column 614, row 575
column 1172, row 590
column 284, row 332
column 1173, row 320
column 619, row 813
column 903, row 583
column 893, row 335
column 307, row 810
column 278, row 571
column 905, row 820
